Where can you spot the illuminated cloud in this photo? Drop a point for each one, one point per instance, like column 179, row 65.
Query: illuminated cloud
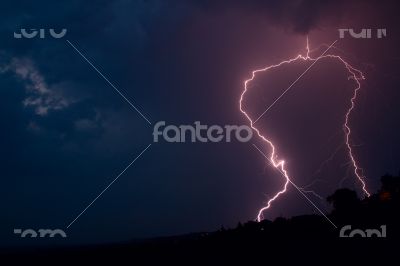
column 42, row 97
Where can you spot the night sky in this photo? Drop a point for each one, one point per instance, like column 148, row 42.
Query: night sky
column 67, row 134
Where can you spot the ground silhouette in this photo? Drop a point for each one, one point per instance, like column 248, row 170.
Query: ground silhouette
column 296, row 238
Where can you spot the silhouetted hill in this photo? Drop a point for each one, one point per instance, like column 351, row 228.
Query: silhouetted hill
column 285, row 239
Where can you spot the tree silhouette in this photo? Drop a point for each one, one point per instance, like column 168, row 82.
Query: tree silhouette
column 344, row 201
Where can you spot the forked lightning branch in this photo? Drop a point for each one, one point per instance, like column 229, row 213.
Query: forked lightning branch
column 276, row 161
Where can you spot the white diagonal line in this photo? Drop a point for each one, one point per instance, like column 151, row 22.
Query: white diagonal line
column 126, row 168
column 291, row 85
column 112, row 85
column 296, row 187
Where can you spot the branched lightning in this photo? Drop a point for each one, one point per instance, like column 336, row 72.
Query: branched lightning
column 311, row 192
column 279, row 164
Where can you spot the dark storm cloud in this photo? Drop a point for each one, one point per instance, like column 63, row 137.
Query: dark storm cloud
column 125, row 28
column 300, row 16
column 102, row 27
column 177, row 60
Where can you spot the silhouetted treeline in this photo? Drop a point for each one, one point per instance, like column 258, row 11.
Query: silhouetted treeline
column 285, row 239
column 380, row 209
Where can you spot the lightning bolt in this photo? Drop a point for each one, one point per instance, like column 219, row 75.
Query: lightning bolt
column 279, row 164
